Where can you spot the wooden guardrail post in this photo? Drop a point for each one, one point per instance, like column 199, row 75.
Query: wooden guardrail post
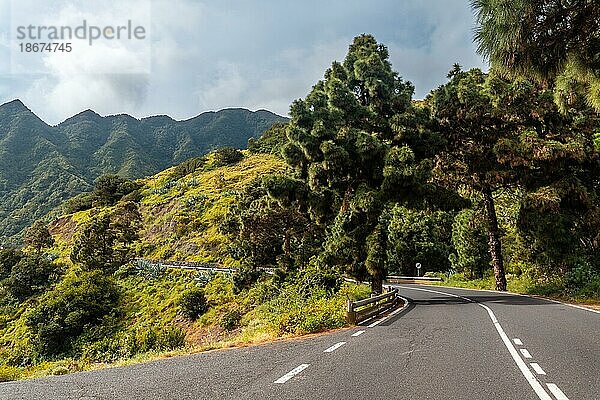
column 350, row 313
column 361, row 310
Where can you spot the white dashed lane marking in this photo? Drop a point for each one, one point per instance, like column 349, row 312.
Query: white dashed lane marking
column 518, row 342
column 525, row 353
column 334, row 347
column 355, row 334
column 538, row 370
column 292, row 373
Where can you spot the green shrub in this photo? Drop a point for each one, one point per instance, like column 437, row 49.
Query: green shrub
column 8, row 259
column 579, row 277
column 78, row 303
column 9, row 373
column 31, row 276
column 591, row 290
column 244, row 278
column 192, row 303
column 230, row 319
column 153, row 338
column 227, row 156
column 81, row 202
column 107, row 349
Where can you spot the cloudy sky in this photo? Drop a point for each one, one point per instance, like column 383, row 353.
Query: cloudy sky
column 208, row 55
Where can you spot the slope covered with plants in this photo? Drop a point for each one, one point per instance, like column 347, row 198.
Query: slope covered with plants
column 41, row 166
column 486, row 182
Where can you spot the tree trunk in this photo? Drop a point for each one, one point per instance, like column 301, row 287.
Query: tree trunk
column 495, row 248
column 376, row 284
column 287, row 251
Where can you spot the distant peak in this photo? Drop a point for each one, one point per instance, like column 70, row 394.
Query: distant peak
column 88, row 114
column 84, row 115
column 14, row 105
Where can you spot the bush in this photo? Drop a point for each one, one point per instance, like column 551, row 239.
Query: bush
column 579, row 277
column 31, row 276
column 192, row 303
column 109, row 189
column 9, row 373
column 81, row 202
column 77, row 304
column 153, row 338
column 230, row 319
column 227, row 156
column 8, row 259
column 244, row 278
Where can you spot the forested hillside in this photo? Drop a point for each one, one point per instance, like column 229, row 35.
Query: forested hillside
column 489, row 181
column 41, row 166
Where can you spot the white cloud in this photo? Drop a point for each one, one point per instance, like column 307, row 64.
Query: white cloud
column 232, row 53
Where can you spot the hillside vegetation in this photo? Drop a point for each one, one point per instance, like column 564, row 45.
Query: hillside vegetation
column 487, row 182
column 41, row 166
column 92, row 311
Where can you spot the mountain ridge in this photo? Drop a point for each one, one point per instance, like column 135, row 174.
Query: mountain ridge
column 42, row 165
column 19, row 103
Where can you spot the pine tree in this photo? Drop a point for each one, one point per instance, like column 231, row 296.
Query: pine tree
column 356, row 142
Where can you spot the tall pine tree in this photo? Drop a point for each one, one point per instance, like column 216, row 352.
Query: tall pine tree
column 357, row 144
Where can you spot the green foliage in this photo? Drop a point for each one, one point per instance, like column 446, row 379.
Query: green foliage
column 230, row 319
column 521, row 37
column 505, row 134
column 104, row 243
column 38, row 238
column 8, row 259
column 301, row 309
column 193, row 303
column 357, row 143
column 109, row 189
column 418, row 236
column 41, row 166
column 226, row 156
column 187, row 167
column 469, row 236
column 268, row 228
column 245, row 277
column 75, row 306
column 30, row 276
column 270, row 142
column 81, row 202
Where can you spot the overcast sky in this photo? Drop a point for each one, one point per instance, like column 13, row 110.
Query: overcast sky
column 208, row 55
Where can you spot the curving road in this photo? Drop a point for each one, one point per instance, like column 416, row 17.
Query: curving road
column 445, row 344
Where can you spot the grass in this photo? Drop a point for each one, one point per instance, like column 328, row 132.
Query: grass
column 588, row 294
column 181, row 217
column 150, row 307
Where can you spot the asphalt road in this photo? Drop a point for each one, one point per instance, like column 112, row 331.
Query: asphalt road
column 445, row 344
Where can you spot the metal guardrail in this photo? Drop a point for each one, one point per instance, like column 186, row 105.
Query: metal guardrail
column 362, row 310
column 198, row 266
column 411, row 279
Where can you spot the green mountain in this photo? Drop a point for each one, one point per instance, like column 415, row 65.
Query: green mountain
column 41, row 165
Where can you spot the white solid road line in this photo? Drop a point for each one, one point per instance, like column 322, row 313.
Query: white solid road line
column 557, row 392
column 532, row 297
column 518, row 342
column 374, row 324
column 334, row 347
column 531, row 379
column 355, row 334
column 292, row 373
column 538, row 370
column 571, row 305
column 525, row 353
